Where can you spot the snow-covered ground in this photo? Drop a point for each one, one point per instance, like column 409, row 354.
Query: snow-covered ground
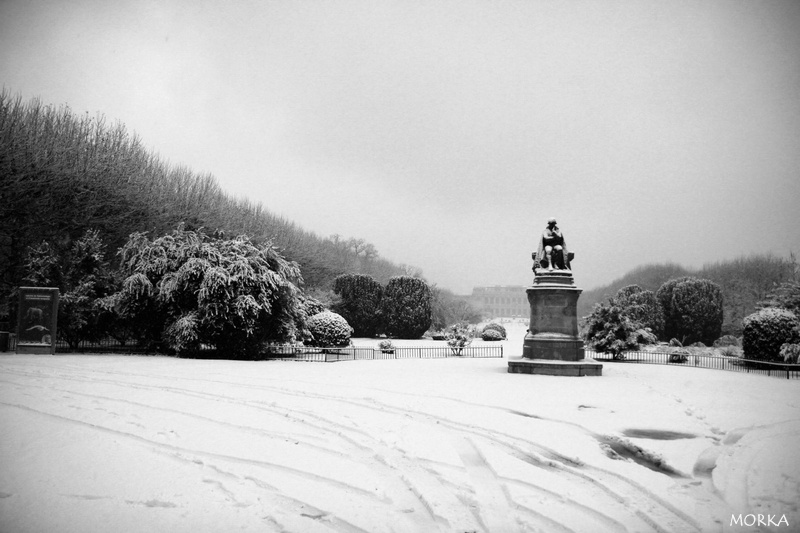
column 151, row 444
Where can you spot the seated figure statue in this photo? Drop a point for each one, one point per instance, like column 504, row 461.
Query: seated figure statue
column 552, row 253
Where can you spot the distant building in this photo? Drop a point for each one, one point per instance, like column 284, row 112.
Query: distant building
column 501, row 301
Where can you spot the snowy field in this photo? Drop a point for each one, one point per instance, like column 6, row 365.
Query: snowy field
column 152, row 444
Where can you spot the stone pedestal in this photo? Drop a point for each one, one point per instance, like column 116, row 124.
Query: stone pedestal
column 552, row 345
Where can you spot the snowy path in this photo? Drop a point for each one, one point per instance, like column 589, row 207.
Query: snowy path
column 99, row 443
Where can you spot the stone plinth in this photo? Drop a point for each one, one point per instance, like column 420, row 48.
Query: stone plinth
column 552, row 345
column 584, row 367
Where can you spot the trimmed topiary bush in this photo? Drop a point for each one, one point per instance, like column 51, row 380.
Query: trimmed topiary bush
column 692, row 309
column 491, row 335
column 496, row 327
column 766, row 330
column 359, row 302
column 329, row 329
column 406, row 307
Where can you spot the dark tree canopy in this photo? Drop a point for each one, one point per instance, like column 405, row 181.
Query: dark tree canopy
column 83, row 278
column 693, row 309
column 406, row 307
column 187, row 289
column 359, row 303
column 643, row 307
column 785, row 296
column 64, row 173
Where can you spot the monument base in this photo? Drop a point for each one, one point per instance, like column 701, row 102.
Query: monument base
column 34, row 349
column 557, row 347
column 550, row 367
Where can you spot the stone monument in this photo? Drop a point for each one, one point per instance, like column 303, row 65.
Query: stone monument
column 552, row 345
column 38, row 317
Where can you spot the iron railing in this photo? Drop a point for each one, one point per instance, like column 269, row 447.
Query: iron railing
column 715, row 362
column 299, row 353
column 358, row 353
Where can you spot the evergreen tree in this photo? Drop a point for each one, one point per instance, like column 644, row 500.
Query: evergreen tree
column 643, row 307
column 610, row 329
column 359, row 303
column 83, row 278
column 187, row 290
column 406, row 307
column 693, row 309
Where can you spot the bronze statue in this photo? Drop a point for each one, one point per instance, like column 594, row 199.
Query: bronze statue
column 552, row 253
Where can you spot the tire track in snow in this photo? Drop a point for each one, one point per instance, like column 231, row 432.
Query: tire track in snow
column 493, row 505
column 645, row 499
column 356, row 437
column 417, row 512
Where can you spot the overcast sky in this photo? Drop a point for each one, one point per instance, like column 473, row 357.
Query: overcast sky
column 446, row 133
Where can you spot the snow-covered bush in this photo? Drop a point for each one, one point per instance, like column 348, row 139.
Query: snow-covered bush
column 790, row 353
column 491, row 335
column 766, row 330
column 459, row 337
column 730, row 351
column 610, row 330
column 386, row 346
column 329, row 329
column 189, row 290
column 496, row 327
column 727, row 340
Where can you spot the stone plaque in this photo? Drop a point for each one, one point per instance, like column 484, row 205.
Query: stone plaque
column 555, row 300
column 37, row 319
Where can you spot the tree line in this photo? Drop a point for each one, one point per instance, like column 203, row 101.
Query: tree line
column 689, row 311
column 744, row 283
column 63, row 174
column 190, row 293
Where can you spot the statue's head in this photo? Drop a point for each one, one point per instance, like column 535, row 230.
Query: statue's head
column 551, row 222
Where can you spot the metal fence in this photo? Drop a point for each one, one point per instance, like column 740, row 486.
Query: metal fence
column 299, row 353
column 109, row 345
column 715, row 362
column 356, row 353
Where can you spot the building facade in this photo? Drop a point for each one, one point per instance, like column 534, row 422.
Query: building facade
column 507, row 301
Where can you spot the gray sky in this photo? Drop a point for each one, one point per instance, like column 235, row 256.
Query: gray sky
column 446, row 133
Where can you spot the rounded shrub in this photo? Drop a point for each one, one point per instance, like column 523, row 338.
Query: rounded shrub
column 329, row 329
column 491, row 335
column 386, row 346
column 766, row 330
column 496, row 327
column 790, row 353
column 727, row 340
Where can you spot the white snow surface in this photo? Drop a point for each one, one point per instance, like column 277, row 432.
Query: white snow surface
column 150, row 444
